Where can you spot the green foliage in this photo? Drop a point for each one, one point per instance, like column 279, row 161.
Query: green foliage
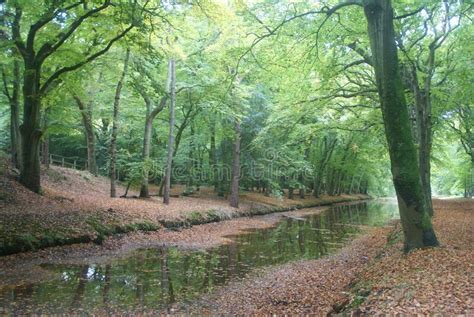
column 294, row 86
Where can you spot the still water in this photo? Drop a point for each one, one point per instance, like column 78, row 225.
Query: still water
column 155, row 279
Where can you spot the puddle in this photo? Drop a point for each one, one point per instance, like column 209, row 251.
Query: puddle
column 154, row 279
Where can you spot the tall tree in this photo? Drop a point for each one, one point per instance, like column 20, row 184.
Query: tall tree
column 234, row 186
column 13, row 97
column 115, row 126
column 34, row 53
column 414, row 213
column 86, row 115
column 169, row 162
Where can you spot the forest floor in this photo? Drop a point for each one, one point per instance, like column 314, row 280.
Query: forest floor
column 370, row 276
column 75, row 207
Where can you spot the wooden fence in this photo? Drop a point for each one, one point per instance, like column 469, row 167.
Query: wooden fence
column 70, row 162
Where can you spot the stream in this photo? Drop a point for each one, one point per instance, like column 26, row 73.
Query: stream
column 158, row 278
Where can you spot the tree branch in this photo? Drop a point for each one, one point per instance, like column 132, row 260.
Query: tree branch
column 92, row 57
column 48, row 48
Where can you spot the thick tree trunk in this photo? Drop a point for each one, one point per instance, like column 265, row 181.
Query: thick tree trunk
column 86, row 114
column 234, row 188
column 172, row 88
column 423, row 133
column 115, row 126
column 30, row 129
column 415, row 219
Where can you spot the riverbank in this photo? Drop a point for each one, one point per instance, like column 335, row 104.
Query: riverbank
column 370, row 276
column 75, row 207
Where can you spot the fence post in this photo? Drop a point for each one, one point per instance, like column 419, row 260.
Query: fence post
column 62, row 162
column 74, row 164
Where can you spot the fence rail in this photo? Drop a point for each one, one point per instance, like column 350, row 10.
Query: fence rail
column 64, row 161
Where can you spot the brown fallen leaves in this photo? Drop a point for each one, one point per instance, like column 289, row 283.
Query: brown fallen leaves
column 305, row 287
column 426, row 281
column 439, row 280
column 72, row 199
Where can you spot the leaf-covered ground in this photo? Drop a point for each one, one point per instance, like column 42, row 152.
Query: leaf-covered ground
column 369, row 276
column 439, row 280
column 75, row 207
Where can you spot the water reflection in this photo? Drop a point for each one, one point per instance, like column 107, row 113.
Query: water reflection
column 157, row 278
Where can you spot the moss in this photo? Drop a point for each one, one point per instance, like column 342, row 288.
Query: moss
column 100, row 229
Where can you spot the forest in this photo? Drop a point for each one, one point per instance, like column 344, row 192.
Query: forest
column 231, row 157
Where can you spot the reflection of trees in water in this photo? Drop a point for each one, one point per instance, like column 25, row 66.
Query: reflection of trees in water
column 166, row 284
column 81, row 286
column 158, row 278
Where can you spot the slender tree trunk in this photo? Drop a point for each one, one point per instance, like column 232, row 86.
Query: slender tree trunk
column 213, row 155
column 301, row 190
column 15, row 137
column 86, row 114
column 45, row 151
column 172, row 88
column 415, row 219
column 144, row 193
column 234, row 188
column 115, row 126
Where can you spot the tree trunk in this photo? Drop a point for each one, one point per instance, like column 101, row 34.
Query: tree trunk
column 45, row 151
column 301, row 190
column 414, row 215
column 86, row 114
column 423, row 133
column 30, row 129
column 15, row 136
column 213, row 155
column 234, row 188
column 172, row 88
column 115, row 124
column 144, row 193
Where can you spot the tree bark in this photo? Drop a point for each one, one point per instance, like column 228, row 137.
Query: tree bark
column 115, row 126
column 86, row 114
column 14, row 99
column 30, row 129
column 213, row 155
column 234, row 188
column 415, row 219
column 150, row 116
column 172, row 89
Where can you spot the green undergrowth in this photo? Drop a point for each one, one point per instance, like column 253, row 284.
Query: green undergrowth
column 97, row 233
